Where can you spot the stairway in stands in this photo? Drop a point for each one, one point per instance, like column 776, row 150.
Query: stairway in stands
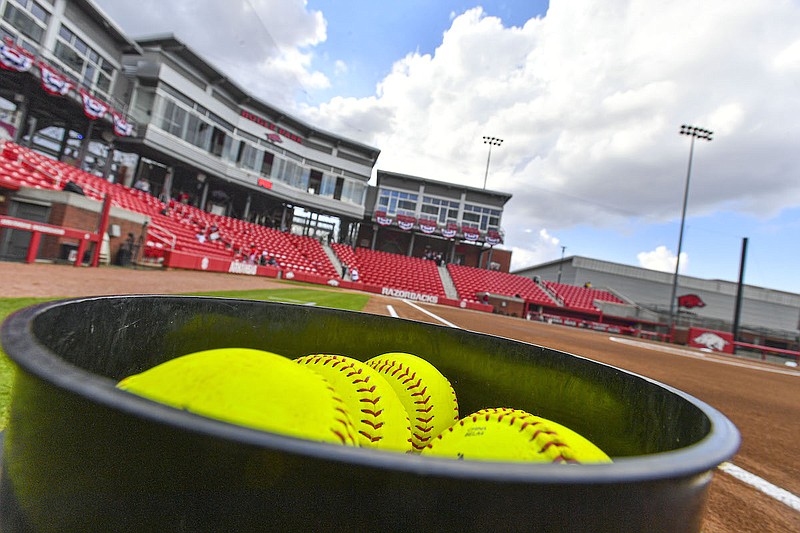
column 447, row 283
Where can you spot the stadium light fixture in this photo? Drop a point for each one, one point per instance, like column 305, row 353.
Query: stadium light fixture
column 491, row 141
column 695, row 133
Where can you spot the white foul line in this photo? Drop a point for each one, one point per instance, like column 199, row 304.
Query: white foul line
column 392, row 311
column 440, row 319
column 693, row 355
column 782, row 495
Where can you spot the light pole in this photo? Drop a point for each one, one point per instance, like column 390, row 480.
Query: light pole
column 491, row 141
column 561, row 264
column 695, row 133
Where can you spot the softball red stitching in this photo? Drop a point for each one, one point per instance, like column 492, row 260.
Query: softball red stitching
column 350, row 369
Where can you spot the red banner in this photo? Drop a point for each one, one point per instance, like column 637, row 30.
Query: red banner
column 717, row 341
column 92, row 107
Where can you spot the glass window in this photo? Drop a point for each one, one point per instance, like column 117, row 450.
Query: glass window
column 327, row 186
column 198, row 133
column 64, row 33
column 88, row 74
column 174, row 119
column 103, row 82
column 69, row 56
column 23, row 22
column 81, row 46
column 230, row 149
column 39, row 12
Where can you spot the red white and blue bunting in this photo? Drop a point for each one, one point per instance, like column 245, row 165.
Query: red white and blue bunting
column 15, row 58
column 470, row 234
column 450, row 231
column 427, row 226
column 53, row 82
column 92, row 107
column 122, row 127
column 382, row 219
column 405, row 222
column 493, row 237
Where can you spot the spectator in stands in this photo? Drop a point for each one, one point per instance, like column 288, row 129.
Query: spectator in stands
column 354, row 274
column 344, row 270
column 201, row 236
column 272, row 261
column 263, row 259
column 213, row 233
column 142, row 184
column 587, row 285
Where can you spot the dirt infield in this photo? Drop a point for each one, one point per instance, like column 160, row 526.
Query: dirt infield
column 761, row 399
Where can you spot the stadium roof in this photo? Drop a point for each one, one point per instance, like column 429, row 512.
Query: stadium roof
column 169, row 43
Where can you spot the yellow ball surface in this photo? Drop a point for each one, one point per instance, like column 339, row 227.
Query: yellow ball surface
column 378, row 414
column 426, row 394
column 513, row 435
column 252, row 388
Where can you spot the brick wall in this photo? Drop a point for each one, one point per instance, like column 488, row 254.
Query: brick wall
column 77, row 212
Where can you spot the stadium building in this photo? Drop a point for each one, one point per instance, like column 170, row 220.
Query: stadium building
column 419, row 217
column 768, row 316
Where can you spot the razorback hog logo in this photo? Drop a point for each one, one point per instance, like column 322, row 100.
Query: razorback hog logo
column 712, row 341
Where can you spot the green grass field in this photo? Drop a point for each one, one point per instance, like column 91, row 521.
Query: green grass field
column 299, row 296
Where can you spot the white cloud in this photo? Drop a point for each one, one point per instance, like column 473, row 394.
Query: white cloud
column 266, row 46
column 543, row 247
column 589, row 100
column 662, row 259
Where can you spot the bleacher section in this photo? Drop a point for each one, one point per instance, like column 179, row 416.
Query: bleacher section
column 187, row 229
column 580, row 297
column 469, row 281
column 398, row 272
column 175, row 226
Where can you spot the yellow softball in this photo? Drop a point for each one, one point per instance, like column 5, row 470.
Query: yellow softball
column 379, row 416
column 426, row 394
column 513, row 435
column 252, row 388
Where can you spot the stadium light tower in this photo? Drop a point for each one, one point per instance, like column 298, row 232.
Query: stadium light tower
column 695, row 133
column 491, row 141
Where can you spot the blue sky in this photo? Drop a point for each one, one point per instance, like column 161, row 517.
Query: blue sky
column 588, row 96
column 370, row 36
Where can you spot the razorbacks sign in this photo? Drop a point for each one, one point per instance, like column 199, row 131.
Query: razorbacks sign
column 690, row 301
column 717, row 341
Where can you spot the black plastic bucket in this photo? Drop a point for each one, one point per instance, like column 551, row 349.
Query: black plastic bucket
column 81, row 455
